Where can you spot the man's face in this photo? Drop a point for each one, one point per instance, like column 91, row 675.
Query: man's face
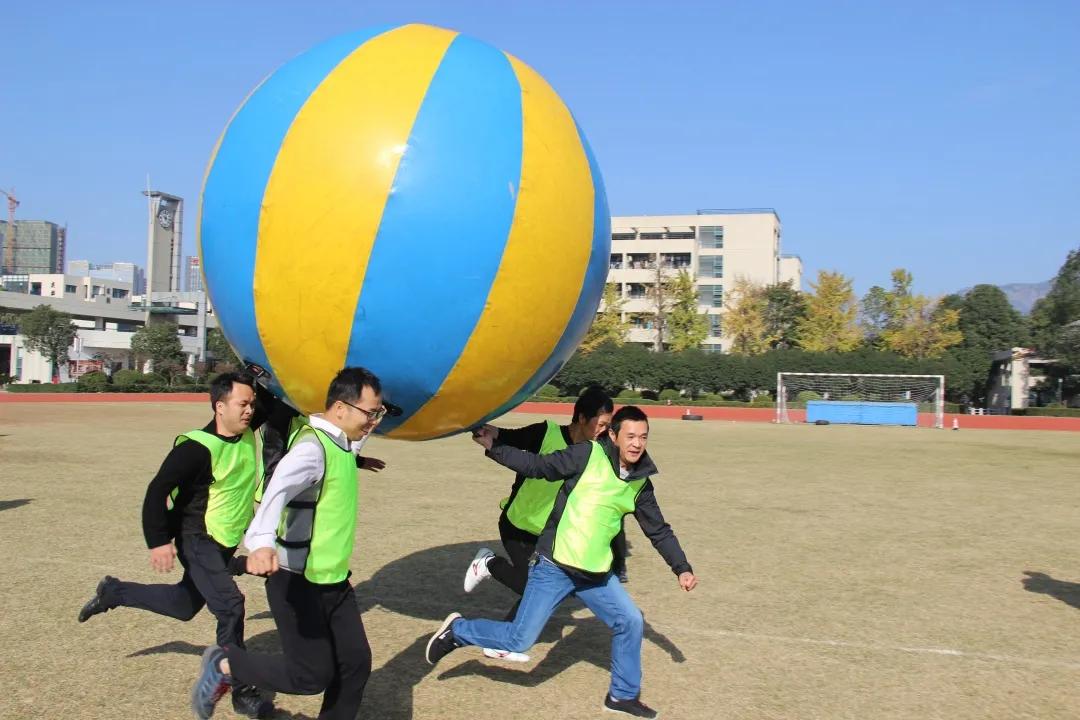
column 356, row 421
column 235, row 410
column 632, row 438
column 595, row 428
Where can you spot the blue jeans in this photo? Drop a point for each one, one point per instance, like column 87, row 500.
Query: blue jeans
column 547, row 587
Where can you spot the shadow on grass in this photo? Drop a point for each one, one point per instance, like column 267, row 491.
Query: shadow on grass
column 12, row 504
column 427, row 585
column 1066, row 592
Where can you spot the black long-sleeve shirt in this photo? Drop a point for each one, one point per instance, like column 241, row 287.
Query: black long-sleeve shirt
column 568, row 465
column 187, row 467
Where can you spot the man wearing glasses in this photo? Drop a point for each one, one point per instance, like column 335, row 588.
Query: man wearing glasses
column 302, row 538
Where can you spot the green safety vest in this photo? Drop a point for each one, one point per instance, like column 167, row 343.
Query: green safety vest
column 534, row 499
column 235, row 468
column 593, row 514
column 333, row 530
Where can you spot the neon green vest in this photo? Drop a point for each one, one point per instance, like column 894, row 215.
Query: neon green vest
column 592, row 516
column 536, row 496
column 333, row 531
column 235, row 467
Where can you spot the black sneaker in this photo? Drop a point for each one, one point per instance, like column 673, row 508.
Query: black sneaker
column 247, row 700
column 443, row 642
column 633, row 708
column 623, row 577
column 211, row 685
column 97, row 604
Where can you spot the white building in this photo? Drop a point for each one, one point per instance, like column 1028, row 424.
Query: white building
column 118, row 271
column 714, row 246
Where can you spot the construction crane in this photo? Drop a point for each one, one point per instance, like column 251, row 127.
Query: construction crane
column 9, row 244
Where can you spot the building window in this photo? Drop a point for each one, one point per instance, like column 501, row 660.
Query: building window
column 711, row 266
column 711, row 236
column 711, row 295
column 119, row 293
column 624, row 236
column 675, row 261
column 716, row 326
column 641, row 261
column 615, row 262
column 636, row 291
column 70, row 288
column 652, row 236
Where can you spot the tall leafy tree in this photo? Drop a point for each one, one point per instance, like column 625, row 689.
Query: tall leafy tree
column 874, row 314
column 1060, row 307
column 221, row 350
column 608, row 326
column 687, row 327
column 831, row 314
column 785, row 307
column 744, row 318
column 158, row 342
column 920, row 329
column 49, row 332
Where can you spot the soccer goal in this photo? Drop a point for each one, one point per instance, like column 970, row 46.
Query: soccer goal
column 861, row 399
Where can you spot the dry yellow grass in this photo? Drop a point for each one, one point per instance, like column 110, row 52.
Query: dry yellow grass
column 845, row 573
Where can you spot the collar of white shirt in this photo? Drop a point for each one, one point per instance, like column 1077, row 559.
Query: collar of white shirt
column 318, row 421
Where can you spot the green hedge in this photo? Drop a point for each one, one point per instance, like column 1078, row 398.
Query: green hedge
column 43, row 388
column 1048, row 412
column 76, row 387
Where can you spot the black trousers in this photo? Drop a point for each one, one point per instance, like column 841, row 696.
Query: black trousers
column 207, row 581
column 520, row 546
column 324, row 643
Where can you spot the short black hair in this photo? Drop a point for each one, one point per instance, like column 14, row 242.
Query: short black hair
column 349, row 383
column 593, row 401
column 221, row 386
column 628, row 412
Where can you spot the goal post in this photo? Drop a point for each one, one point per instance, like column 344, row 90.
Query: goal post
column 862, row 399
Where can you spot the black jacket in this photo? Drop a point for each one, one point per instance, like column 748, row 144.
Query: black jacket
column 187, row 469
column 568, row 465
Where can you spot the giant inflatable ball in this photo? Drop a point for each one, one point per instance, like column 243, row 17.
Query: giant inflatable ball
column 414, row 201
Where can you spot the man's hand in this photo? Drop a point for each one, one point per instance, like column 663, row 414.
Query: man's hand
column 485, row 435
column 372, row 464
column 687, row 581
column 262, row 562
column 161, row 557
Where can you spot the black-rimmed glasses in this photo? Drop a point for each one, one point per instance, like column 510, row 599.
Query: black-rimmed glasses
column 373, row 416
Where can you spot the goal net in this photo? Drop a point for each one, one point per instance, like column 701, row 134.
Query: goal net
column 860, row 399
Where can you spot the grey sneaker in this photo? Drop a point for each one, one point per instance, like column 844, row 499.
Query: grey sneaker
column 211, row 685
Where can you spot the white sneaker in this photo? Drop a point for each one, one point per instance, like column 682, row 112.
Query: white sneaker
column 478, row 569
column 506, row 655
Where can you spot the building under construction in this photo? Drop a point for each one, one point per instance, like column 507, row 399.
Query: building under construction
column 38, row 247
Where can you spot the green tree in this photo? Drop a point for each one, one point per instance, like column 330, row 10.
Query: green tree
column 1060, row 307
column 874, row 314
column 785, row 307
column 831, row 313
column 744, row 318
column 49, row 332
column 687, row 328
column 159, row 343
column 221, row 350
column 608, row 325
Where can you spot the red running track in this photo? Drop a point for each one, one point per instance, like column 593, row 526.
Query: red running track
column 731, row 414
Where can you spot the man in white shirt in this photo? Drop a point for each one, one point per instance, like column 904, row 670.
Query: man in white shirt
column 322, row 634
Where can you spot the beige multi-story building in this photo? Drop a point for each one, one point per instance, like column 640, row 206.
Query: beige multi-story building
column 714, row 246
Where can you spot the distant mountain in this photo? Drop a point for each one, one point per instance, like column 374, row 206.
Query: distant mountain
column 1023, row 296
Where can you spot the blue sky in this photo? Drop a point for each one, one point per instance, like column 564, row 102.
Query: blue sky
column 940, row 137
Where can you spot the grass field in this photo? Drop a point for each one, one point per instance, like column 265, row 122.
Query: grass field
column 844, row 573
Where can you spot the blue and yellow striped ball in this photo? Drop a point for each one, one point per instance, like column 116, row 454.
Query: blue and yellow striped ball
column 414, row 201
